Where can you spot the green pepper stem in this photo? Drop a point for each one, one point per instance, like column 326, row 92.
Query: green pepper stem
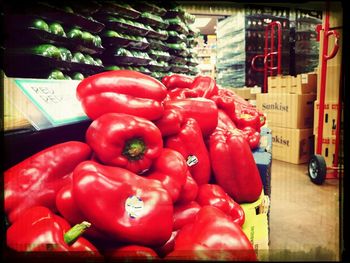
column 75, row 232
column 134, row 149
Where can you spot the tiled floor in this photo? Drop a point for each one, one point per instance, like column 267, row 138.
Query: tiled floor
column 304, row 217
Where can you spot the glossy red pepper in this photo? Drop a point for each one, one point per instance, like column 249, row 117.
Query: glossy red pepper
column 178, row 93
column 132, row 253
column 224, row 121
column 247, row 117
column 212, row 236
column 189, row 190
column 124, row 140
column 122, row 91
column 185, row 214
column 168, row 247
column 252, row 136
column 68, row 208
column 170, row 168
column 125, row 206
column 224, row 102
column 204, row 86
column 215, row 195
column 170, row 123
column 41, row 176
column 38, row 229
column 189, row 142
column 177, row 81
column 233, row 165
column 204, row 111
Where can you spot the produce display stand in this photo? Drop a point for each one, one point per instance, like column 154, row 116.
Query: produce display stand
column 317, row 168
column 270, row 52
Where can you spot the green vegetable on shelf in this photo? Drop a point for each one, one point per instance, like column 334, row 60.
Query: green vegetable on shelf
column 78, row 57
column 89, row 60
column 78, row 76
column 123, row 52
column 75, row 33
column 97, row 41
column 57, row 29
column 41, row 24
column 66, row 55
column 113, row 67
column 56, row 74
column 68, row 9
column 88, row 37
column 112, row 33
column 47, row 50
column 98, row 62
column 67, row 77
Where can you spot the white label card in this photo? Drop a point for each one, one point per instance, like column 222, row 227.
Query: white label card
column 56, row 99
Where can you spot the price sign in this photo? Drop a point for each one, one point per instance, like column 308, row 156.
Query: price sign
column 55, row 99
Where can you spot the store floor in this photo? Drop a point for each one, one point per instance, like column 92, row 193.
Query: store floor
column 304, row 217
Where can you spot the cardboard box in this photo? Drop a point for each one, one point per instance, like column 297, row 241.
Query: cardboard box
column 332, row 83
column 243, row 92
column 292, row 145
column 287, row 110
column 329, row 119
column 301, row 84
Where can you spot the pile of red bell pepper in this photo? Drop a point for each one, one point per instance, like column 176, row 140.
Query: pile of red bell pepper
column 161, row 175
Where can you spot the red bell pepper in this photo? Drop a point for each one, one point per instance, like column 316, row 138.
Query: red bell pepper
column 233, row 165
column 178, row 93
column 252, row 136
column 68, row 208
column 185, row 214
column 170, row 123
column 41, row 176
column 170, row 168
column 224, row 121
column 125, row 206
column 247, row 117
column 189, row 190
column 189, row 142
column 212, row 236
column 122, row 91
column 204, row 86
column 204, row 111
column 124, row 140
column 38, row 229
column 168, row 247
column 177, row 81
column 132, row 253
column 214, row 195
column 224, row 102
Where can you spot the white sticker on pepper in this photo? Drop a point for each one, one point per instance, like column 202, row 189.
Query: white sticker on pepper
column 134, row 206
column 191, row 160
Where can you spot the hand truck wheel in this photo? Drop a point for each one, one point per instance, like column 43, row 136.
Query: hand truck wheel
column 317, row 169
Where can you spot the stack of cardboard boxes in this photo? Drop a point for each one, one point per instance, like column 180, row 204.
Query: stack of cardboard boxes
column 289, row 108
column 333, row 82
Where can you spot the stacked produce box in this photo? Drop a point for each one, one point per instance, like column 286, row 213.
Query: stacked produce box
column 288, row 106
column 306, row 44
column 51, row 42
column 241, row 37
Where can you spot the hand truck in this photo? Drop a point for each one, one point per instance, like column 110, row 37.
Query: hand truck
column 317, row 168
